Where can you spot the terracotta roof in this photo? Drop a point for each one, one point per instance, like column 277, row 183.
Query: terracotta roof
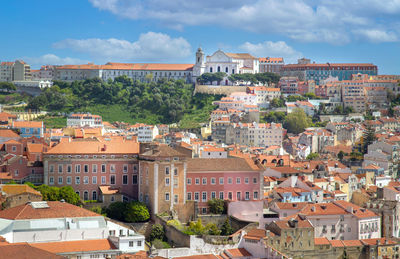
column 240, row 55
column 221, row 164
column 27, row 124
column 131, row 66
column 26, row 251
column 291, row 205
column 374, row 241
column 358, row 211
column 7, row 133
column 105, row 189
column 76, row 246
column 95, row 147
column 13, row 189
column 206, row 256
column 214, row 149
column 162, row 150
column 321, row 241
column 336, row 243
column 352, row 243
column 284, row 224
column 256, row 233
column 34, row 148
column 56, row 209
column 237, row 252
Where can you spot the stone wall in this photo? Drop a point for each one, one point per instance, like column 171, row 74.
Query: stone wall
column 216, row 219
column 174, row 236
column 218, row 89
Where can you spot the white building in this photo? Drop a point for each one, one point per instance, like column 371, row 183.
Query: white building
column 60, row 224
column 230, row 63
column 246, row 98
column 255, row 134
column 84, row 120
column 34, row 83
column 145, row 133
column 264, row 94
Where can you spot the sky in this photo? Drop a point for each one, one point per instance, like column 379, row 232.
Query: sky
column 170, row 31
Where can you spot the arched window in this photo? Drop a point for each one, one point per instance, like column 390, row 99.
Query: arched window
column 226, row 69
column 94, row 196
column 210, row 69
column 233, row 71
column 219, row 69
column 85, row 195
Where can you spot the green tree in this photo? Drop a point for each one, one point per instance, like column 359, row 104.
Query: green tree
column 11, row 182
column 68, row 194
column 195, row 228
column 212, row 229
column 296, row 121
column 311, row 96
column 7, row 86
column 116, row 210
column 216, row 206
column 368, row 138
column 277, row 102
column 312, row 156
column 136, row 212
column 226, row 228
column 341, row 155
column 157, row 232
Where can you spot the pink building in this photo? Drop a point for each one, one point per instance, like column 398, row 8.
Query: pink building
column 87, row 164
column 235, row 179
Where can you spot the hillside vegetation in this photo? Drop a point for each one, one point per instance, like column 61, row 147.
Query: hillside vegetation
column 164, row 101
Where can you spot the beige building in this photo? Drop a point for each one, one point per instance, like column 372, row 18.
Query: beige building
column 255, row 134
column 6, row 71
column 21, row 71
column 162, row 177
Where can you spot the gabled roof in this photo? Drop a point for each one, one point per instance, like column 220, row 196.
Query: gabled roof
column 27, row 124
column 7, row 133
column 26, row 251
column 95, row 147
column 240, row 55
column 75, row 246
column 55, row 209
column 221, row 164
column 14, row 189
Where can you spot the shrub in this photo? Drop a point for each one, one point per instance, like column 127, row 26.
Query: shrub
column 157, row 232
column 116, row 210
column 226, row 228
column 159, row 244
column 212, row 229
column 136, row 212
column 216, row 206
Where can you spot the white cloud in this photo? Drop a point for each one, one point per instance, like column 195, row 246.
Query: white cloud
column 272, row 49
column 376, row 35
column 51, row 59
column 332, row 21
column 149, row 46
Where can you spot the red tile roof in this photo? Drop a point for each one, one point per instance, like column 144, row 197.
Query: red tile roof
column 56, row 209
column 26, row 251
column 76, row 246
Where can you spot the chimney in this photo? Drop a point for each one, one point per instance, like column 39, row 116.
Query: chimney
column 378, row 242
column 293, row 223
column 349, row 209
column 313, row 208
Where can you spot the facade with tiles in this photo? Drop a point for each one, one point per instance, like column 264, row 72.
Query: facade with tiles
column 86, row 165
column 234, row 179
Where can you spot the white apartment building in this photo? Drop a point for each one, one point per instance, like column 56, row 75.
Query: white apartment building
column 255, row 134
column 60, row 222
column 264, row 94
column 84, row 120
column 246, row 98
column 145, row 133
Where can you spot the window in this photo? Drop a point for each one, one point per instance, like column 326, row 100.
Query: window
column 94, row 168
column 60, row 169
column 125, row 179
column 221, row 195
column 94, row 179
column 175, row 182
column 238, row 196
column 69, row 169
column 189, row 196
column 103, row 180
column 229, row 180
column 125, row 169
column 213, row 195
column 112, row 179
column 221, row 180
column 255, row 195
column 14, row 148
column 167, row 181
column 16, row 172
column 167, row 196
column 51, row 180
column 139, row 243
column 189, row 181
column 77, row 168
column 167, row 170
column 51, row 169
column 94, row 195
column 112, row 168
column 134, row 179
column 86, row 179
column 176, row 198
column 213, row 180
column 204, row 210
column 77, row 180
column 86, row 168
column 69, row 180
column 176, row 171
column 130, row 243
column 135, row 168
column 204, row 181
column 204, row 196
column 86, row 195
column 197, row 181
column 246, row 180
column 247, row 196
column 254, row 180
column 196, row 196
column 103, row 168
column 230, row 196
column 60, row 180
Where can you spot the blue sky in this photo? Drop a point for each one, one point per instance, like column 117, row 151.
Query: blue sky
column 80, row 31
